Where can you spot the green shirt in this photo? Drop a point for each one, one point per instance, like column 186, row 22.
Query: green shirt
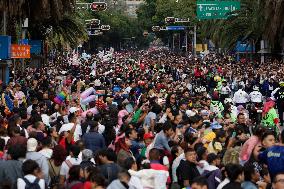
column 268, row 119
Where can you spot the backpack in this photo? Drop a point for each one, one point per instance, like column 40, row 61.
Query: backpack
column 34, row 185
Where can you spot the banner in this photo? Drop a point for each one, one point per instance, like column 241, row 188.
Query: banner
column 36, row 46
column 20, row 51
column 5, row 45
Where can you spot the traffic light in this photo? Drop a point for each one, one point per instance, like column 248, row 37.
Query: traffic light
column 99, row 6
column 170, row 20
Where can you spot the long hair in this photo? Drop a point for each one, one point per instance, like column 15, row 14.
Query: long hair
column 59, row 155
column 120, row 144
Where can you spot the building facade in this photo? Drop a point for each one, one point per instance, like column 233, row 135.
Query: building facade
column 132, row 6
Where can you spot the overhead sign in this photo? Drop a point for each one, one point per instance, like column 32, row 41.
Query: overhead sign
column 176, row 28
column 20, row 51
column 5, row 45
column 216, row 9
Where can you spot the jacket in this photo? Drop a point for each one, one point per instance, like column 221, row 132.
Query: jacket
column 213, row 175
column 11, row 170
column 42, row 162
column 94, row 141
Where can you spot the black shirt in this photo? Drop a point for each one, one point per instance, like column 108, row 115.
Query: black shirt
column 186, row 171
column 233, row 185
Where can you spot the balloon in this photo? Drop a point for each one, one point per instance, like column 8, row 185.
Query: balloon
column 87, row 92
column 93, row 110
column 88, row 99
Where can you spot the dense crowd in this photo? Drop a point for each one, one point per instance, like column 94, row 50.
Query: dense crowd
column 143, row 120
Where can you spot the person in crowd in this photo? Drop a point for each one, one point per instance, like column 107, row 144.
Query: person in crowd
column 212, row 172
column 236, row 176
column 106, row 160
column 273, row 156
column 33, row 176
column 69, row 163
column 54, row 165
column 278, row 181
column 187, row 170
column 199, row 183
column 32, row 145
column 11, row 169
column 74, row 181
column 94, row 140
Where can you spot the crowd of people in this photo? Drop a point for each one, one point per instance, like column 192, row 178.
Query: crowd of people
column 143, row 120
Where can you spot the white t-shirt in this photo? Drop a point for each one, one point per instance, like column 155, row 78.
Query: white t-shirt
column 68, row 127
column 65, row 168
column 21, row 184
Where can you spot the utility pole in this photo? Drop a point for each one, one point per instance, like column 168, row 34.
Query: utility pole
column 4, row 22
column 194, row 41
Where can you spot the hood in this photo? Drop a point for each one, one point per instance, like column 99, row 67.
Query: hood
column 36, row 156
column 211, row 168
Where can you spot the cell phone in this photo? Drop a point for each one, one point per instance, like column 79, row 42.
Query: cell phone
column 234, row 134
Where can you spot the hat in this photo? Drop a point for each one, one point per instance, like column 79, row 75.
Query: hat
column 148, row 136
column 204, row 113
column 73, row 110
column 240, row 107
column 87, row 154
column 32, row 145
column 216, row 125
column 190, row 113
column 211, row 157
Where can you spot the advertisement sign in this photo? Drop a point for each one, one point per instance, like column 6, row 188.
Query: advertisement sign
column 5, row 45
column 20, row 51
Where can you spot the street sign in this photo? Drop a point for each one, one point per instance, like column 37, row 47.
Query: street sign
column 176, row 28
column 216, row 9
column 20, row 51
column 156, row 28
column 99, row 6
column 105, row 27
column 182, row 20
column 170, row 20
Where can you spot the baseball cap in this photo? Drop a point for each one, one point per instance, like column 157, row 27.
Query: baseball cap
column 32, row 145
column 216, row 125
column 204, row 113
column 73, row 110
column 148, row 136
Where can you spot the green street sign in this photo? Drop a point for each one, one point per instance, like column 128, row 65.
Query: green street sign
column 216, row 9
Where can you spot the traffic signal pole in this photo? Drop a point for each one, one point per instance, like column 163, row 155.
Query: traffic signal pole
column 195, row 37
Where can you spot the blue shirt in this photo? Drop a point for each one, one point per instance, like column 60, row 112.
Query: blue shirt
column 273, row 157
column 161, row 142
